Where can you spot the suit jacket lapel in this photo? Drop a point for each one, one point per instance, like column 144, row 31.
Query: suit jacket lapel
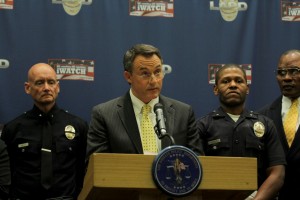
column 127, row 116
column 276, row 113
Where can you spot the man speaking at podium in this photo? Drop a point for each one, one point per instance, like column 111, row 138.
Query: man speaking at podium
column 125, row 124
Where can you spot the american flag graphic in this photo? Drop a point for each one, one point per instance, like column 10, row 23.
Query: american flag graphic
column 213, row 68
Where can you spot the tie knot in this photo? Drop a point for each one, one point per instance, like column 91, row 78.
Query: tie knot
column 295, row 102
column 146, row 109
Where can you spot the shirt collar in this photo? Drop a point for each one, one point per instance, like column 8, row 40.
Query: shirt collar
column 286, row 104
column 138, row 104
column 38, row 113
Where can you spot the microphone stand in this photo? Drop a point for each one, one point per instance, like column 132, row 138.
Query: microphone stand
column 161, row 135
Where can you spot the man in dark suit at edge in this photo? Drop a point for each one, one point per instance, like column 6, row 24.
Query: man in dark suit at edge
column 288, row 78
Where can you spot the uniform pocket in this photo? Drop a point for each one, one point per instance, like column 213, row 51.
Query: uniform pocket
column 218, row 146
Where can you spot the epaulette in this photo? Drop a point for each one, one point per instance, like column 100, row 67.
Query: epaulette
column 252, row 114
column 216, row 114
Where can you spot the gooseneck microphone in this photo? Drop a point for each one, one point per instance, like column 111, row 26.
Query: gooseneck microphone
column 160, row 127
column 160, row 120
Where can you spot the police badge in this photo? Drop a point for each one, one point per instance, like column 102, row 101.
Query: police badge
column 259, row 129
column 70, row 132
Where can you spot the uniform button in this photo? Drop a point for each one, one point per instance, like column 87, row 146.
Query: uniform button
column 236, row 141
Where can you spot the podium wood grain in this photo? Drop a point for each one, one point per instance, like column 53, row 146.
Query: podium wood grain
column 128, row 176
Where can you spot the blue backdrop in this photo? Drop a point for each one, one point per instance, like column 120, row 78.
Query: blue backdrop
column 38, row 30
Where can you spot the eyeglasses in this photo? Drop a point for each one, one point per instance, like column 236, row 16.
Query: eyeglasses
column 158, row 75
column 292, row 71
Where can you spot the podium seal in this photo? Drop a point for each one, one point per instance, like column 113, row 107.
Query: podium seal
column 177, row 171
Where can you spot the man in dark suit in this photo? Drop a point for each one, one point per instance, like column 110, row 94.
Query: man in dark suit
column 288, row 78
column 115, row 125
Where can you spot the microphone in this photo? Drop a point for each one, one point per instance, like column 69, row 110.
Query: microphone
column 160, row 120
column 160, row 127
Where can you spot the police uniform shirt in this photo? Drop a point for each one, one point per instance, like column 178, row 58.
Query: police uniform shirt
column 23, row 137
column 253, row 135
column 5, row 175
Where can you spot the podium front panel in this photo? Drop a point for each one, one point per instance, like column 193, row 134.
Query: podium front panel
column 129, row 176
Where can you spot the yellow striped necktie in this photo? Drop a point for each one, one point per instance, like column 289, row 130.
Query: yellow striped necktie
column 290, row 122
column 148, row 135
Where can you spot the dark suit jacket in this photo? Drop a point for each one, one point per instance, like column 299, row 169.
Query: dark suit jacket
column 292, row 174
column 113, row 127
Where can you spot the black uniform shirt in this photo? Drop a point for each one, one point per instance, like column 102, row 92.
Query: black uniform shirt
column 253, row 135
column 23, row 137
column 4, row 172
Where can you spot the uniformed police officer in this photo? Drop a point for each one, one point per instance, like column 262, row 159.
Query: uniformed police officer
column 59, row 174
column 232, row 130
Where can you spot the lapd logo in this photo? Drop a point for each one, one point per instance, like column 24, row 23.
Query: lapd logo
column 259, row 129
column 177, row 171
column 4, row 63
column 167, row 69
column 72, row 7
column 229, row 8
column 70, row 132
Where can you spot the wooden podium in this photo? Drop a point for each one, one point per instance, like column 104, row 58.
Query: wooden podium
column 129, row 177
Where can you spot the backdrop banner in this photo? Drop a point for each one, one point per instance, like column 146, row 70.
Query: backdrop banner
column 85, row 40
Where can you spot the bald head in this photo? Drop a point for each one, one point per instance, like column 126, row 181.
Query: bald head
column 42, row 85
column 40, row 68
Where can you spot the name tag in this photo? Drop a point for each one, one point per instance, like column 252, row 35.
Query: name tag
column 23, row 145
column 216, row 141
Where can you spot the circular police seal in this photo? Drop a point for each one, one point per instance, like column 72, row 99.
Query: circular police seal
column 177, row 171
